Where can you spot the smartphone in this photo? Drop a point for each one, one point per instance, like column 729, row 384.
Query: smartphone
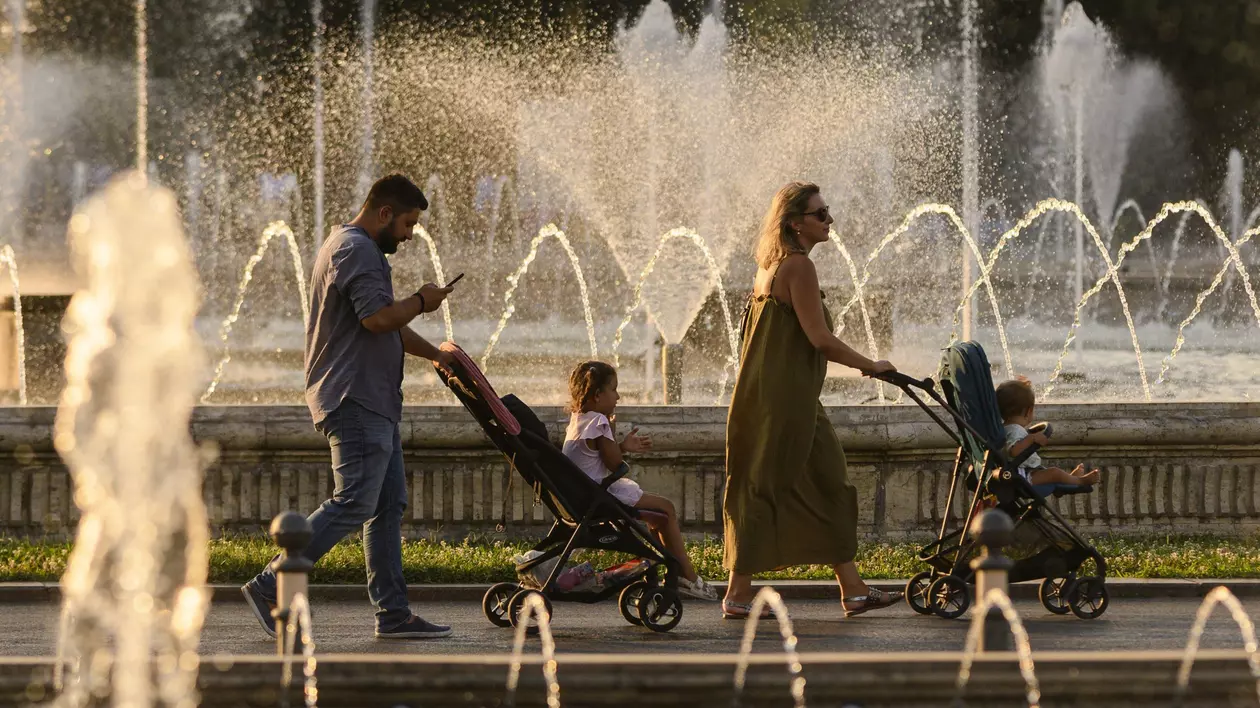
column 456, row 280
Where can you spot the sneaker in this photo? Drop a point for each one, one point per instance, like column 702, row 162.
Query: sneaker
column 415, row 628
column 698, row 589
column 261, row 607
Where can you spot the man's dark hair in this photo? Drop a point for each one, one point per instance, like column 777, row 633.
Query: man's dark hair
column 397, row 192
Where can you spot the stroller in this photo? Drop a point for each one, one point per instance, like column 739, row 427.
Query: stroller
column 586, row 516
column 1045, row 547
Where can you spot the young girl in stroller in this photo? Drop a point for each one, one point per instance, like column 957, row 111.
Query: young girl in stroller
column 590, row 442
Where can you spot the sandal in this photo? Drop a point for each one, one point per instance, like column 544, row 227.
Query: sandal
column 741, row 610
column 874, row 599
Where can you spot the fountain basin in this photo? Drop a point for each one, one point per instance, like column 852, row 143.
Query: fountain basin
column 1168, row 467
column 887, row 680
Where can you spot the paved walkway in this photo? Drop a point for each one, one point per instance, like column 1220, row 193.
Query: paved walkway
column 29, row 629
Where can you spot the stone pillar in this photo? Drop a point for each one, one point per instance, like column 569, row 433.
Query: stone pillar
column 292, row 532
column 993, row 530
column 672, row 373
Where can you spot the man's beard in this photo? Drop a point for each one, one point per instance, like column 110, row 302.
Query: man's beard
column 385, row 238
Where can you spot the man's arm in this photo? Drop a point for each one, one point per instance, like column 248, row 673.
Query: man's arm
column 416, row 345
column 394, row 317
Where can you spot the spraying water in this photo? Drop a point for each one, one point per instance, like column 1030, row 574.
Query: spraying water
column 420, row 232
column 300, row 612
column 317, row 68
column 142, row 87
column 996, row 597
column 367, row 163
column 275, row 228
column 769, row 596
column 714, row 272
column 970, row 150
column 546, row 232
column 9, row 260
column 1218, row 596
column 531, row 608
column 133, row 597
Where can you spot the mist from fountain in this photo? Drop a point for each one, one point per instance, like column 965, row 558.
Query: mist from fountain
column 317, row 136
column 142, row 87
column 276, row 228
column 134, row 596
column 9, row 260
column 420, row 232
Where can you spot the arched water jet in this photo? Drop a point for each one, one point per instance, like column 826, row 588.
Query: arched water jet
column 19, row 333
column 996, row 597
column 1164, row 212
column 509, row 309
column 1131, row 205
column 420, row 232
column 1048, row 205
column 861, row 298
column 1166, row 364
column 275, row 228
column 949, row 213
column 1218, row 596
column 300, row 624
column 534, row 607
column 1174, row 249
column 714, row 272
column 769, row 596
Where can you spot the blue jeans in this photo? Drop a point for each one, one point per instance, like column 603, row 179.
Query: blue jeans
column 370, row 492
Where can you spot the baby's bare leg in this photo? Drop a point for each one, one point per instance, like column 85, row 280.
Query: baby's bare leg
column 1058, row 475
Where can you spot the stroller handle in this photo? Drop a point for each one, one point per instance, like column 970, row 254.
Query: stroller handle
column 900, row 380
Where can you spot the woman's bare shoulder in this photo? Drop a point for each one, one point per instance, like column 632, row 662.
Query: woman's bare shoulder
column 796, row 264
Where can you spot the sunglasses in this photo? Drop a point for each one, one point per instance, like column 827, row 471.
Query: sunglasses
column 821, row 214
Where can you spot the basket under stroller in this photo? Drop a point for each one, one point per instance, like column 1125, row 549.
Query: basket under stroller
column 586, row 516
column 1046, row 547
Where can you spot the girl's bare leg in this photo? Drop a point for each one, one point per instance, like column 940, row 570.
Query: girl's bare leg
column 670, row 533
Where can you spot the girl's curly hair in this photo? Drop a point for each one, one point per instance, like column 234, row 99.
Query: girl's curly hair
column 586, row 381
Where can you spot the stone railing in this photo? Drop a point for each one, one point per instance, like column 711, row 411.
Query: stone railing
column 1168, row 467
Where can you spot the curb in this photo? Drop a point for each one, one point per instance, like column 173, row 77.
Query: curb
column 789, row 589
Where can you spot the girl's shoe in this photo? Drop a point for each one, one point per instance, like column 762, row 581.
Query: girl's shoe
column 741, row 610
column 874, row 599
column 697, row 589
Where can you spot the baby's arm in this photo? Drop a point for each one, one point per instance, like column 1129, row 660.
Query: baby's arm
column 1019, row 447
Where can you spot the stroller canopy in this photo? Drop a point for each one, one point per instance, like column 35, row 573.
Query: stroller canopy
column 969, row 388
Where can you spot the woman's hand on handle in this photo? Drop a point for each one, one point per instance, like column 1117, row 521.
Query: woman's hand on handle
column 879, row 367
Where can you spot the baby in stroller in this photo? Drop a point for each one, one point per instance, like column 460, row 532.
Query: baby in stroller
column 1016, row 402
column 591, row 444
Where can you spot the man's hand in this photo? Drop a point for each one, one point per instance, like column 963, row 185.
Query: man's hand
column 444, row 360
column 433, row 295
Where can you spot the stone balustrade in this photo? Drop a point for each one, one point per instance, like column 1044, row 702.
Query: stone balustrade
column 1168, row 467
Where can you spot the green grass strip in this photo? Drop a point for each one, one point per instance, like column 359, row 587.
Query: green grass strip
column 234, row 560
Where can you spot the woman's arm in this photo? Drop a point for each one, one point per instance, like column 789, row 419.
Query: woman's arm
column 806, row 297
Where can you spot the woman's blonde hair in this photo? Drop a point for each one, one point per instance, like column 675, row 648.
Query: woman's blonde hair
column 777, row 239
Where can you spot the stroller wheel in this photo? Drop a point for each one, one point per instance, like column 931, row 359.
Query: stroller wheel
column 518, row 603
column 496, row 601
column 660, row 609
column 950, row 597
column 629, row 600
column 1053, row 594
column 917, row 593
column 1088, row 597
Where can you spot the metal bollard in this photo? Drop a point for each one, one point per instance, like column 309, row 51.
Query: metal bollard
column 993, row 530
column 291, row 532
column 672, row 373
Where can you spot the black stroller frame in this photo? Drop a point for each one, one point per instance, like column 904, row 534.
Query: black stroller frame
column 988, row 470
column 586, row 516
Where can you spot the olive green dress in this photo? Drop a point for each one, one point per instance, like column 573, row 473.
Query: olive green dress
column 787, row 500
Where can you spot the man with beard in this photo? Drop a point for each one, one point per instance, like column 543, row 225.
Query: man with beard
column 355, row 342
